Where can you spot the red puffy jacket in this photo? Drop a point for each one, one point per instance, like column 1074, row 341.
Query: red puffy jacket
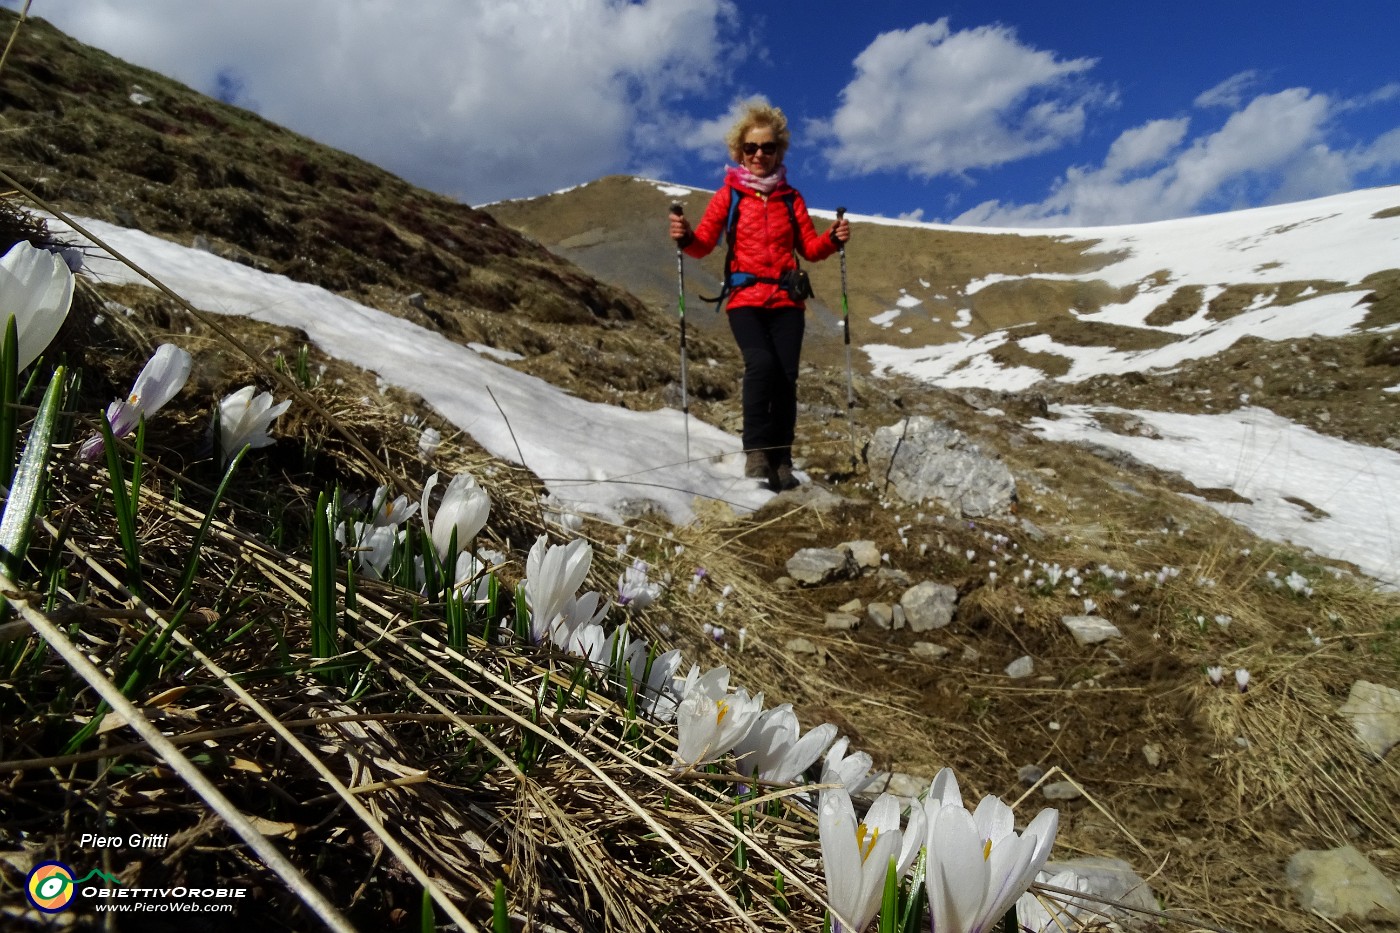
column 763, row 241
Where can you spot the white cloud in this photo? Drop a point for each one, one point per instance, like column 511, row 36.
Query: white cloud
column 1231, row 92
column 481, row 98
column 1276, row 148
column 930, row 101
column 707, row 136
column 1144, row 145
column 1382, row 153
column 1271, row 131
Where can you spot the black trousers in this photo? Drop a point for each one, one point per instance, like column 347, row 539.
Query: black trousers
column 771, row 341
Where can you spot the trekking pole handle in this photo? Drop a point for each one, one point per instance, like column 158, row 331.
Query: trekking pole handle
column 677, row 211
column 840, row 212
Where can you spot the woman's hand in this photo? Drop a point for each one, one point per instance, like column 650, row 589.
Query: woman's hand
column 841, row 232
column 680, row 228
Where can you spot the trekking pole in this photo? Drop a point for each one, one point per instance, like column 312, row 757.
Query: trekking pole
column 679, row 211
column 846, row 325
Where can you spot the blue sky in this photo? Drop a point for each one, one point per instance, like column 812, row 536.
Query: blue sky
column 1004, row 113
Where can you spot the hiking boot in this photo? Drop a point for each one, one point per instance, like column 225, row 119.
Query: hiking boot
column 783, row 478
column 755, row 464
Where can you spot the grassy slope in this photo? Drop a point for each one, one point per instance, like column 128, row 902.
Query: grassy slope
column 183, row 166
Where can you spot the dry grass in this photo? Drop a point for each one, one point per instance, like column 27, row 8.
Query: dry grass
column 415, row 778
column 584, row 831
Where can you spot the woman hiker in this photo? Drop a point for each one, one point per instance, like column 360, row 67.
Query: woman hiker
column 765, row 301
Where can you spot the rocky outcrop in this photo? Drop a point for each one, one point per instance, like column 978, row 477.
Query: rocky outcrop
column 1341, row 882
column 921, row 458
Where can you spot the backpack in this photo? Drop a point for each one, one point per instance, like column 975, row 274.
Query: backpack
column 795, row 281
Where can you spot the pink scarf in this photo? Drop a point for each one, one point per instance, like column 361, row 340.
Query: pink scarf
column 740, row 177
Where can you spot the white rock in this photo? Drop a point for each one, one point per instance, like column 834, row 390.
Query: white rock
column 800, row 646
column 929, row 605
column 928, row 651
column 922, row 458
column 1090, row 630
column 1374, row 711
column 1341, row 882
column 814, row 566
column 1022, row 667
column 907, row 787
column 880, row 615
column 843, row 621
column 865, row 553
column 1061, row 790
column 1111, row 878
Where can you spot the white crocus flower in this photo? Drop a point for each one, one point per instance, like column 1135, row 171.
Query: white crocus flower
column 464, row 509
column 631, row 659
column 884, row 815
column 857, row 856
column 710, row 719
column 1216, row 674
column 385, row 511
column 659, row 688
column 611, row 652
column 36, row 288
column 1052, row 912
column 850, row 771
column 160, row 379
column 470, row 568
column 942, row 791
column 586, row 640
column 428, row 443
column 244, row 420
column 568, row 628
column 374, row 546
column 1242, row 679
column 553, row 574
column 661, row 677
column 977, row 864
column 773, row 750
column 635, row 589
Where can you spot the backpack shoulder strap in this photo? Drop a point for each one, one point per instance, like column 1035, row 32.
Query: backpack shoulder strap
column 789, row 199
column 730, row 223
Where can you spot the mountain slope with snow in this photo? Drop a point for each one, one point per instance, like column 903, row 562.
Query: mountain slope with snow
column 1328, row 248
column 611, row 461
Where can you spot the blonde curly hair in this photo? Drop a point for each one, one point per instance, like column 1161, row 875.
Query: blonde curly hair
column 759, row 113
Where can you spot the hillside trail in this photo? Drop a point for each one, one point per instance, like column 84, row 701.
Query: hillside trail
column 1148, row 761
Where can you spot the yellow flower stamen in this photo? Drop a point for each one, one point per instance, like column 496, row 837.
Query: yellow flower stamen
column 723, row 708
column 987, row 850
column 861, row 843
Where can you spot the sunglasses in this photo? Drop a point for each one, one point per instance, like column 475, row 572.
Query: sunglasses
column 766, row 148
